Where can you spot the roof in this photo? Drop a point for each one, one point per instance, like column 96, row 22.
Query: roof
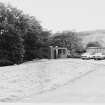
column 96, row 48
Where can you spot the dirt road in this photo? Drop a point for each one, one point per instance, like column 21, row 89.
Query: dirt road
column 89, row 87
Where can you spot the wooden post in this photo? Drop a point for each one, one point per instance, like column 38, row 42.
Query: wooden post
column 56, row 51
column 51, row 52
column 66, row 53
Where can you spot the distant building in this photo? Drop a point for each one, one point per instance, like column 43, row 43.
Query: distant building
column 93, row 50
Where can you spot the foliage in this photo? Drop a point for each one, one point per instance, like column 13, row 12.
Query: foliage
column 33, row 43
column 21, row 35
column 67, row 39
column 11, row 41
column 5, row 62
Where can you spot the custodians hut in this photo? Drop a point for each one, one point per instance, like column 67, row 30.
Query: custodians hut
column 58, row 52
column 54, row 52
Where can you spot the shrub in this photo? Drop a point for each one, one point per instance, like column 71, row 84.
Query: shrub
column 5, row 62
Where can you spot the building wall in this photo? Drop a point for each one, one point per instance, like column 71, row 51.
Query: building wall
column 58, row 52
column 93, row 50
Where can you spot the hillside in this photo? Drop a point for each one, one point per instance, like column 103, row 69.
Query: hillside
column 91, row 36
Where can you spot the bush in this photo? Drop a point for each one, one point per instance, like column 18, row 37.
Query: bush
column 5, row 62
column 75, row 55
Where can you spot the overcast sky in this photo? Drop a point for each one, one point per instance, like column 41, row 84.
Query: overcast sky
column 58, row 15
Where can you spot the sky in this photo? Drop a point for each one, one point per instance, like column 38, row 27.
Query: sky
column 60, row 15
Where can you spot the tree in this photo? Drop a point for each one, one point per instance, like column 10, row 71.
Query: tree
column 11, row 41
column 67, row 39
column 20, row 34
column 33, row 39
column 43, row 46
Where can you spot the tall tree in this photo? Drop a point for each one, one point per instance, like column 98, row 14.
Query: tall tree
column 19, row 34
column 10, row 35
column 67, row 39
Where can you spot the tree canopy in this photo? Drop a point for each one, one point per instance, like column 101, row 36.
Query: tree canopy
column 20, row 34
column 67, row 39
